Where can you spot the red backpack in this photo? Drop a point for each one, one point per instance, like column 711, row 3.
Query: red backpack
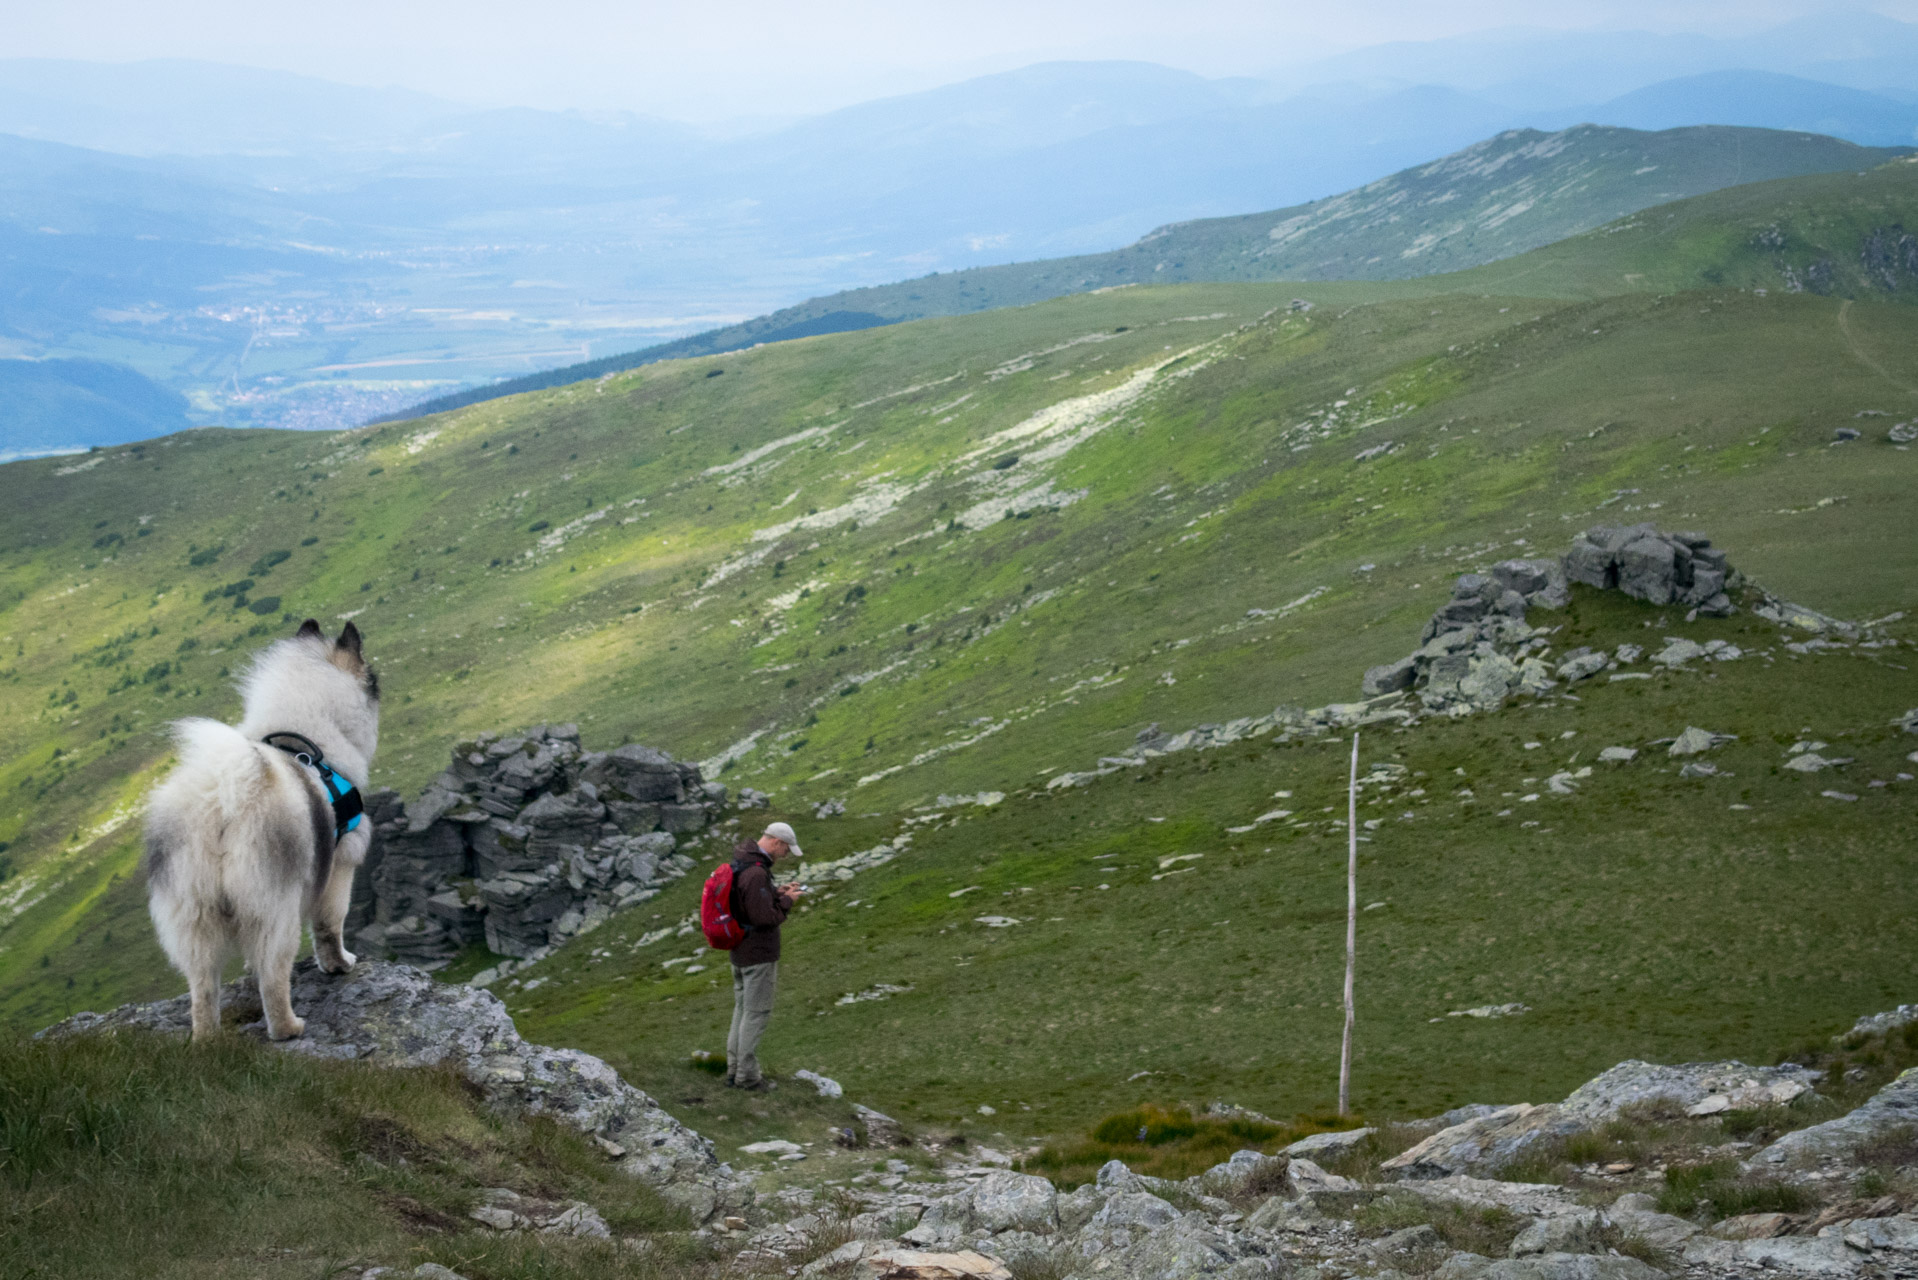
column 716, row 921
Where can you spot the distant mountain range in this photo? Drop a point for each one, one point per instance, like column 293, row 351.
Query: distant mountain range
column 288, row 252
column 1490, row 201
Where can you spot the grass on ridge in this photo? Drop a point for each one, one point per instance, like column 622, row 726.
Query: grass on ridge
column 140, row 1154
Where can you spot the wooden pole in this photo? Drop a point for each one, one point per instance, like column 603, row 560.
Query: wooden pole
column 1351, row 924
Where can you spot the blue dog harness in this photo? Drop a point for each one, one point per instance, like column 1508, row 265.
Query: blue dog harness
column 348, row 808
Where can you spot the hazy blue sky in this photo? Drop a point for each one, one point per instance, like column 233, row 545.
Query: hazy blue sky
column 706, row 59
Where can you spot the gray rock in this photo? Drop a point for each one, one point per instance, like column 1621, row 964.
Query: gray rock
column 881, row 1130
column 1135, row 1209
column 1392, row 677
column 1114, row 1176
column 1462, row 1266
column 1685, row 1086
column 1802, row 1255
column 1570, row 1266
column 1306, row 1178
column 1696, row 741
column 1237, row 1175
column 1076, row 1208
column 1523, row 1199
column 1648, row 570
column 1321, row 1144
column 391, row 1015
column 1278, row 1214
column 1423, row 1236
column 1903, row 432
column 1584, row 666
column 1897, row 1234
column 1489, row 680
column 1564, row 1233
column 1186, row 1248
column 432, row 1271
column 1660, row 1230
column 1007, row 1201
column 1482, row 1143
column 1678, row 651
column 1893, row 1107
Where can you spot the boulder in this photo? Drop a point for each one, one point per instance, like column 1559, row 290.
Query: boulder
column 1482, row 1143
column 1684, row 1086
column 1392, row 677
column 1135, row 1209
column 1570, row 1266
column 1307, row 1177
column 881, row 1130
column 1896, row 1234
column 1563, row 1233
column 1007, row 1201
column 1648, row 569
column 1583, row 666
column 390, row 1015
column 1799, row 1255
column 1696, row 741
column 1321, row 1144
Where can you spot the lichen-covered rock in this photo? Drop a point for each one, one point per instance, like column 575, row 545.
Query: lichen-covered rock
column 392, row 1015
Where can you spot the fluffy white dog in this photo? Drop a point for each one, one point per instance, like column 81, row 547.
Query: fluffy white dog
column 256, row 830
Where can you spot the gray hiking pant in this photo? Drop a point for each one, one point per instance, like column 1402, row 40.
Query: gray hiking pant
column 753, row 987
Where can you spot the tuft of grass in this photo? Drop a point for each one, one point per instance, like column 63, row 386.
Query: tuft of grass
column 1718, row 1190
column 1487, row 1231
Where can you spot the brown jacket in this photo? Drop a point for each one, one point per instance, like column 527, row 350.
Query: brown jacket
column 756, row 906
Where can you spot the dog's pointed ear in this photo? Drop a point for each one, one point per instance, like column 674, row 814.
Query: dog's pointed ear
column 309, row 630
column 350, row 640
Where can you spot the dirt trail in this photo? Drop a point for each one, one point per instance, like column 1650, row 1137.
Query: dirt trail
column 1851, row 340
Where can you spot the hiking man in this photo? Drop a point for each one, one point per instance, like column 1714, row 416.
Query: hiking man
column 761, row 910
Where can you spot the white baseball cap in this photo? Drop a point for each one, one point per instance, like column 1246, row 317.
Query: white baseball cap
column 783, row 831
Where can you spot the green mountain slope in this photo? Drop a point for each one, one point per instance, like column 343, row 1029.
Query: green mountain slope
column 967, row 554
column 1842, row 235
column 1495, row 199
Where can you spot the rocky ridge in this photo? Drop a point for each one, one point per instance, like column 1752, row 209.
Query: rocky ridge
column 393, row 1015
column 525, row 841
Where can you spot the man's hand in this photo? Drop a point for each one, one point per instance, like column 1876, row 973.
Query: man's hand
column 791, row 893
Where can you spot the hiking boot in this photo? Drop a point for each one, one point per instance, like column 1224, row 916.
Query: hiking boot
column 758, row 1086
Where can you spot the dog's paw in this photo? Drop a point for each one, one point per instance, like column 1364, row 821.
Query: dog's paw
column 292, row 1030
column 347, row 960
column 340, row 961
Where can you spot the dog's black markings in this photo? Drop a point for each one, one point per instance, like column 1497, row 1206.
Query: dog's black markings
column 320, row 816
column 348, row 808
column 157, row 859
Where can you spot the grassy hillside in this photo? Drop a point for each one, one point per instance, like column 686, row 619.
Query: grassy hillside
column 966, row 554
column 1495, row 199
column 1841, row 235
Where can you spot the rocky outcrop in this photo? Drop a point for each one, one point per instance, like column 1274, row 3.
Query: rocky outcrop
column 1892, row 1108
column 525, row 840
column 1658, row 568
column 1482, row 1143
column 1477, row 649
column 391, row 1015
